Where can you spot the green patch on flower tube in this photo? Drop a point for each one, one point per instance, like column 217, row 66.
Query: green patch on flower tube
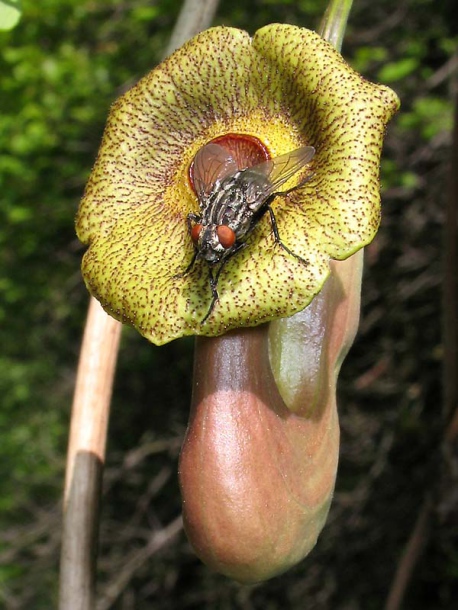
column 283, row 89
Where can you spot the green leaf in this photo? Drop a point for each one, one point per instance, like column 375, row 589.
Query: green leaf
column 429, row 116
column 395, row 71
column 10, row 13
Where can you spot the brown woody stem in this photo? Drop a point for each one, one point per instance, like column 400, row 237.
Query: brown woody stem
column 86, row 456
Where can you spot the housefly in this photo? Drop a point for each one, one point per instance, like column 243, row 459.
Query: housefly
column 232, row 201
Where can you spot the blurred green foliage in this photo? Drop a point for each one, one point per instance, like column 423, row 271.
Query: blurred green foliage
column 60, row 69
column 10, row 13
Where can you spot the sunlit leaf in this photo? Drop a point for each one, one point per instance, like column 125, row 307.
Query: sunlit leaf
column 10, row 13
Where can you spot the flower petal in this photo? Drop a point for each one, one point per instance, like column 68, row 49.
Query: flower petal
column 286, row 87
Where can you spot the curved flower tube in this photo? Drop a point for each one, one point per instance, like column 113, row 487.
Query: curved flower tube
column 259, row 461
column 284, row 88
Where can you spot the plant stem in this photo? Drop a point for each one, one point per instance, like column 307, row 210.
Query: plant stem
column 334, row 22
column 86, row 456
column 195, row 16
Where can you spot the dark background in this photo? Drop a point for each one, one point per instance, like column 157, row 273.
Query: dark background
column 60, row 69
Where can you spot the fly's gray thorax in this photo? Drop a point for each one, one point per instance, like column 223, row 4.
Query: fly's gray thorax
column 235, row 200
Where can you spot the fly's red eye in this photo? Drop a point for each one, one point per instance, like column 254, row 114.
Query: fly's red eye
column 195, row 232
column 226, row 236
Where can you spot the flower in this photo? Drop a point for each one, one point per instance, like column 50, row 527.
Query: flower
column 284, row 88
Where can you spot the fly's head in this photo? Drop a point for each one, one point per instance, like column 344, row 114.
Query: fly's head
column 213, row 243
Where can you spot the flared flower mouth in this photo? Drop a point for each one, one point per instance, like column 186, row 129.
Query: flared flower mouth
column 258, row 99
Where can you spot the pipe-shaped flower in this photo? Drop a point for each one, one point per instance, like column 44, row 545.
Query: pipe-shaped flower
column 283, row 89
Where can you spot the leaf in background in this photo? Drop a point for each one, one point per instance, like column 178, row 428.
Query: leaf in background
column 397, row 70
column 10, row 13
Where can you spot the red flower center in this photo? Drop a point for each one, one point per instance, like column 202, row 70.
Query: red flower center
column 246, row 151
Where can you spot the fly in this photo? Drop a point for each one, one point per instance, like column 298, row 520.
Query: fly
column 232, row 201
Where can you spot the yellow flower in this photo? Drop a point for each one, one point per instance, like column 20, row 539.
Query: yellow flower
column 280, row 90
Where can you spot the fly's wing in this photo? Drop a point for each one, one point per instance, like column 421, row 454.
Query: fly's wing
column 282, row 168
column 212, row 163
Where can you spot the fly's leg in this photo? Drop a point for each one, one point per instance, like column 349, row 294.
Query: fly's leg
column 189, row 220
column 188, row 268
column 178, row 276
column 266, row 206
column 279, row 241
column 215, row 296
column 213, row 279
